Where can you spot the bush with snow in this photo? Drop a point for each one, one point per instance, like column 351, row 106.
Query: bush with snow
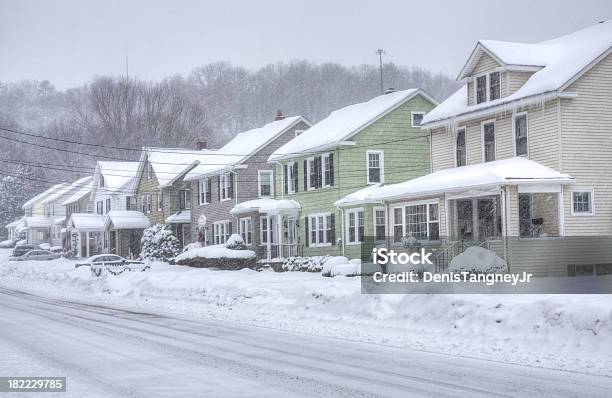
column 305, row 264
column 159, row 243
column 478, row 260
column 7, row 244
column 230, row 256
column 235, row 242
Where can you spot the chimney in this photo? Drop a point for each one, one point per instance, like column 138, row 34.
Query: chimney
column 279, row 115
column 200, row 144
column 390, row 90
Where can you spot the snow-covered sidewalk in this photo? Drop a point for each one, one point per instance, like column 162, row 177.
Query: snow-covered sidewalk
column 563, row 332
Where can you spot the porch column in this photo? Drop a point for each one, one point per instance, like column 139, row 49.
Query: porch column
column 268, row 236
column 87, row 244
column 279, row 223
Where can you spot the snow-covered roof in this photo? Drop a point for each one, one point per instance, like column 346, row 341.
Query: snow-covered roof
column 87, row 221
column 85, row 187
column 66, row 189
column 118, row 176
column 243, row 146
column 512, row 171
column 37, row 222
column 126, row 219
column 17, row 223
column 170, row 163
column 42, row 195
column 268, row 206
column 343, row 123
column 555, row 64
column 58, row 220
column 180, row 217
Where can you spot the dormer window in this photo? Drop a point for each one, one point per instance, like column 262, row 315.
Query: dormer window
column 488, row 87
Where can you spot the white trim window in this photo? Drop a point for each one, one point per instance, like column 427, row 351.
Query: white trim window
column 203, row 191
column 265, row 185
column 375, row 163
column 185, row 199
column 582, row 202
column 265, row 229
column 291, row 177
column 488, row 140
column 520, row 128
column 460, row 147
column 494, row 86
column 380, row 223
column 149, row 171
column 355, row 229
column 420, row 220
column 245, row 226
column 225, row 185
column 480, row 89
column 416, row 118
column 145, row 204
column 311, row 174
column 327, row 169
column 319, row 229
column 487, row 87
column 220, row 232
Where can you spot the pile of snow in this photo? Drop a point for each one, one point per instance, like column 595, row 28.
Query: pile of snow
column 44, row 246
column 7, row 244
column 191, row 246
column 56, row 249
column 341, row 266
column 308, row 264
column 217, row 251
column 478, row 260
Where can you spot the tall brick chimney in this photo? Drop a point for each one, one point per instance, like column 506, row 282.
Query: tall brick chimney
column 201, row 144
column 279, row 115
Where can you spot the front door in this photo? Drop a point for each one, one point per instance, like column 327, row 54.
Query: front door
column 291, row 237
column 465, row 219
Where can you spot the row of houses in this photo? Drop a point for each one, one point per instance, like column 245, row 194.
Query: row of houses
column 518, row 160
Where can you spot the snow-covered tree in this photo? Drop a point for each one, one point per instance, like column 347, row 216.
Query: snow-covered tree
column 158, row 242
column 15, row 190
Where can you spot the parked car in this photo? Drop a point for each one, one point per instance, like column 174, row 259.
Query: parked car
column 37, row 255
column 111, row 263
column 20, row 250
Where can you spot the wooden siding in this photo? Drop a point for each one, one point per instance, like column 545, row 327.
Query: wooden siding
column 514, row 81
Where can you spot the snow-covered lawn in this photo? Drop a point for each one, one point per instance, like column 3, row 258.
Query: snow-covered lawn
column 566, row 331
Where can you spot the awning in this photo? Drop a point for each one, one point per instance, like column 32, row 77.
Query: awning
column 126, row 219
column 86, row 222
column 37, row 222
column 180, row 217
column 268, row 206
column 516, row 171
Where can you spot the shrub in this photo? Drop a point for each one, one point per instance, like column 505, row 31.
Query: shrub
column 159, row 243
column 305, row 264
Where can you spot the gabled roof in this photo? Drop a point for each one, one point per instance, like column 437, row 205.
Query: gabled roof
column 512, row 171
column 126, row 219
column 42, row 195
column 170, row 163
column 80, row 192
column 86, row 221
column 37, row 222
column 118, row 176
column 343, row 123
column 67, row 189
column 243, row 146
column 556, row 64
column 17, row 223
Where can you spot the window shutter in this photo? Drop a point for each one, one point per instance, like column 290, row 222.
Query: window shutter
column 332, row 232
column 295, row 177
column 231, row 188
column 305, row 175
column 331, row 170
column 219, row 188
column 229, row 228
column 208, row 190
column 306, row 221
column 286, row 178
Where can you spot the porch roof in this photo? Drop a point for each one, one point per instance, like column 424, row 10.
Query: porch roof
column 269, row 206
column 512, row 171
column 17, row 223
column 126, row 219
column 180, row 217
column 87, row 221
column 37, row 222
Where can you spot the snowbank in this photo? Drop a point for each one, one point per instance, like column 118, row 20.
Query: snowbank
column 479, row 260
column 214, row 251
column 565, row 331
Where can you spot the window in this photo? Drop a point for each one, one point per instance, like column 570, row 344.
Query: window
column 185, row 199
column 582, row 202
column 481, row 89
column 354, row 226
column 292, row 178
column 375, row 165
column 204, row 191
column 265, row 183
column 101, row 181
column 108, row 205
column 417, row 118
column 265, row 228
column 494, row 86
column 298, row 132
column 380, row 227
column 160, row 201
column 488, row 137
column 311, row 175
column 100, row 207
column 221, row 231
column 149, row 171
column 320, row 228
column 128, row 203
column 146, row 203
column 520, row 134
column 460, row 153
column 420, row 221
column 245, row 230
column 327, row 169
column 225, row 186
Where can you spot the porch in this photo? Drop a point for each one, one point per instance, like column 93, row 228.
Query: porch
column 180, row 222
column 86, row 236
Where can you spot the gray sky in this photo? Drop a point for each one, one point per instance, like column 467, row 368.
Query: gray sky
column 69, row 42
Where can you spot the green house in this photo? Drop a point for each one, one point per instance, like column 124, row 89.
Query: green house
column 371, row 143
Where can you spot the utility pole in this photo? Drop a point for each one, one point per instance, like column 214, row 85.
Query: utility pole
column 380, row 53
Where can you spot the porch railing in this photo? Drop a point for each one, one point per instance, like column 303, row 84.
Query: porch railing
column 448, row 251
column 279, row 252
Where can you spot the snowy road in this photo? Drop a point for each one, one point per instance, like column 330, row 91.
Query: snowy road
column 107, row 351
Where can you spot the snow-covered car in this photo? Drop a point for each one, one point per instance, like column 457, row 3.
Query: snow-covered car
column 112, row 263
column 20, row 250
column 36, row 255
